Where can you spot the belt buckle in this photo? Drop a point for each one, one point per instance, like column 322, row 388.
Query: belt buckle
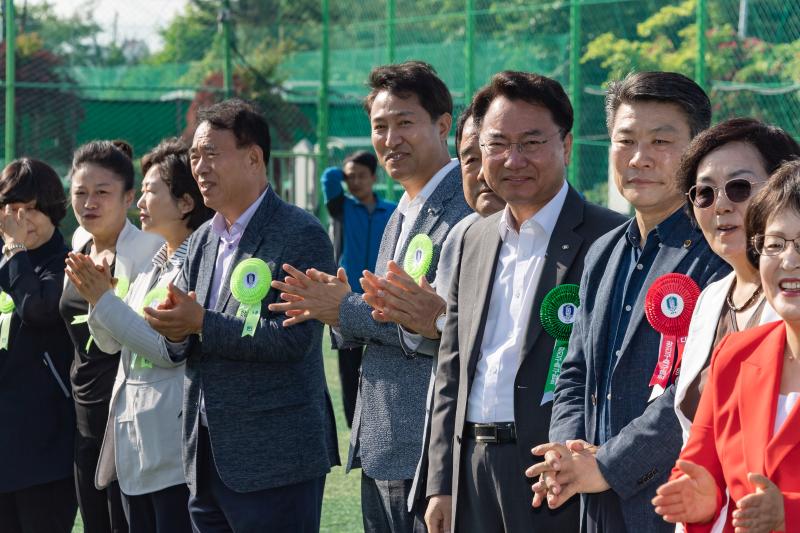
column 489, row 439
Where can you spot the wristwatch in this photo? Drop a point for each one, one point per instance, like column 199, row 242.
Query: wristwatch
column 440, row 320
column 8, row 249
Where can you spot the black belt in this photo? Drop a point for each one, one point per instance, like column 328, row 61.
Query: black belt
column 502, row 433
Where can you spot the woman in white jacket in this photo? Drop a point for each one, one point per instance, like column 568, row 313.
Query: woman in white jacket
column 142, row 445
column 720, row 172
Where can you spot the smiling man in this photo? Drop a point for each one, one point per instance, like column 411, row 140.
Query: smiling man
column 610, row 440
column 494, row 357
column 410, row 111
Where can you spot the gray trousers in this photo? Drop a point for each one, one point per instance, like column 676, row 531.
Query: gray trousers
column 383, row 507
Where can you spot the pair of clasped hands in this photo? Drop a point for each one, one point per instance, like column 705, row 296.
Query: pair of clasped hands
column 692, row 498
column 395, row 297
column 177, row 317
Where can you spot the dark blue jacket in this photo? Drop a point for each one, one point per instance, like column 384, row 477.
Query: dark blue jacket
column 356, row 232
column 36, row 410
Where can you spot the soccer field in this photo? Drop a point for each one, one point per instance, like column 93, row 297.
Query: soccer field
column 341, row 507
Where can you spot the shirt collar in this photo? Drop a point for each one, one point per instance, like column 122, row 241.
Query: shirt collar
column 220, row 228
column 661, row 231
column 426, row 192
column 177, row 259
column 545, row 218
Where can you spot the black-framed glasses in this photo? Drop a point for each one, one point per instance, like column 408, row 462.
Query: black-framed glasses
column 771, row 245
column 736, row 190
column 496, row 148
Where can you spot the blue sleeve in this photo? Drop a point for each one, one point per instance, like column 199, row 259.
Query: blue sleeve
column 332, row 179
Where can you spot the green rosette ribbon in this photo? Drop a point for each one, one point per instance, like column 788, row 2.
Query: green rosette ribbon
column 557, row 313
column 6, row 311
column 152, row 299
column 419, row 255
column 120, row 290
column 250, row 283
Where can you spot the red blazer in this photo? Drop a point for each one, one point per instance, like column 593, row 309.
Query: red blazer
column 732, row 432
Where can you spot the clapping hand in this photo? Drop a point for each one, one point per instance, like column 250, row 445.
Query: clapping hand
column 13, row 225
column 177, row 317
column 567, row 469
column 762, row 511
column 90, row 280
column 313, row 295
column 692, row 498
column 398, row 298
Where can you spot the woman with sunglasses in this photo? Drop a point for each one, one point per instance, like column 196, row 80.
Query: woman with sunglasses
column 721, row 170
column 745, row 438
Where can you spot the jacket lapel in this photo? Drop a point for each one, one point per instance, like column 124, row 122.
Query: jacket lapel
column 669, row 257
column 205, row 274
column 788, row 435
column 388, row 242
column 597, row 338
column 762, row 373
column 561, row 252
column 490, row 244
column 249, row 243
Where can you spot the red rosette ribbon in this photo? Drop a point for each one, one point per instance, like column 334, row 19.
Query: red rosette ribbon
column 668, row 306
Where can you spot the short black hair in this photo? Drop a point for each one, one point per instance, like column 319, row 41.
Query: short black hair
column 664, row 87
column 241, row 118
column 782, row 191
column 411, row 78
column 24, row 180
column 773, row 144
column 115, row 156
column 528, row 87
column 171, row 158
column 463, row 117
column 365, row 158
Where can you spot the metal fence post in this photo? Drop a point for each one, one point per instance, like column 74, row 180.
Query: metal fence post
column 390, row 17
column 700, row 63
column 575, row 87
column 322, row 110
column 10, row 146
column 227, row 69
column 469, row 53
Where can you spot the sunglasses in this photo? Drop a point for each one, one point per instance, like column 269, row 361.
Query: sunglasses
column 736, row 190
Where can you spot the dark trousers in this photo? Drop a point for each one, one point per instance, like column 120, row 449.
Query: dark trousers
column 101, row 510
column 349, row 366
column 494, row 496
column 216, row 508
column 163, row 511
column 384, row 508
column 46, row 508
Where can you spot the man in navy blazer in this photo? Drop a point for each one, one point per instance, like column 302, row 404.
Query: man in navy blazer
column 610, row 440
column 258, row 429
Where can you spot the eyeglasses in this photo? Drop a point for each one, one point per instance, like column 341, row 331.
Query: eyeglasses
column 736, row 190
column 771, row 245
column 498, row 148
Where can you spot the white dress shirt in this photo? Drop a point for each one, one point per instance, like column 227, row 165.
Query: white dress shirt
column 410, row 209
column 520, row 262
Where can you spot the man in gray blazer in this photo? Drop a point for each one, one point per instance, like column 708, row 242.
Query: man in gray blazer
column 612, row 439
column 258, row 429
column 410, row 111
column 494, row 357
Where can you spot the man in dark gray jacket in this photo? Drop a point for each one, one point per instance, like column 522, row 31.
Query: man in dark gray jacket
column 410, row 111
column 258, row 430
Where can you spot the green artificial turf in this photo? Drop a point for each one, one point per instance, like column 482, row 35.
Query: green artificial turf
column 341, row 505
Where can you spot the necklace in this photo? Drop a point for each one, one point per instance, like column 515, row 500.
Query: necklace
column 750, row 301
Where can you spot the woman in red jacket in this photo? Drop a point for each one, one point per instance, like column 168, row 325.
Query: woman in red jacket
column 746, row 434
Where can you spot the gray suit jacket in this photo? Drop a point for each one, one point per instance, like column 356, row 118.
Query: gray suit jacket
column 390, row 408
column 579, row 225
column 270, row 419
column 647, row 436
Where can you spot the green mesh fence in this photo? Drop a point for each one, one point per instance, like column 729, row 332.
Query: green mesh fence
column 748, row 59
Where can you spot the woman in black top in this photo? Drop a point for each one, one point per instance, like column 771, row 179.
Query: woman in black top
column 101, row 192
column 36, row 412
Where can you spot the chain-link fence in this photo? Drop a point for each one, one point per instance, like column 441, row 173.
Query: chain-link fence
column 305, row 62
